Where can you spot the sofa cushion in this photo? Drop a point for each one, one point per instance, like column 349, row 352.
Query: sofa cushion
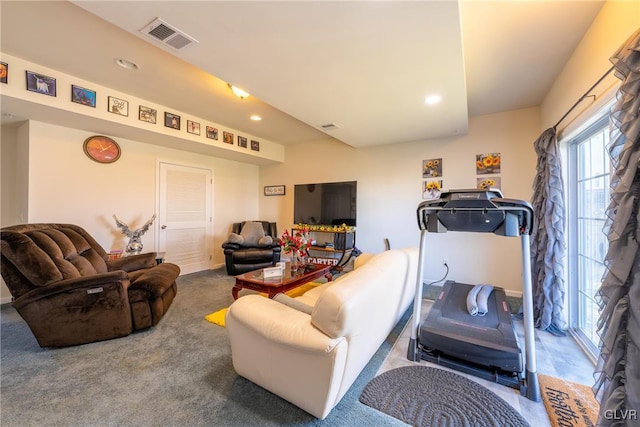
column 378, row 283
column 236, row 238
column 293, row 303
column 265, row 241
column 251, row 233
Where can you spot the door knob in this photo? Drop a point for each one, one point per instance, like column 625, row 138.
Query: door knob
column 163, row 227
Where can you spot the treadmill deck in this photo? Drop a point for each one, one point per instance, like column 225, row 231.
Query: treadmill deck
column 489, row 341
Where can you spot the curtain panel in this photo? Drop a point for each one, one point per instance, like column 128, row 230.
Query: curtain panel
column 617, row 385
column 547, row 238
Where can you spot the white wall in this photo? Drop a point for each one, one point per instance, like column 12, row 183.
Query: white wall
column 615, row 23
column 390, row 189
column 64, row 185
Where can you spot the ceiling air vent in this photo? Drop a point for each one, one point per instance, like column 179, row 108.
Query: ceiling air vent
column 330, row 126
column 167, row 34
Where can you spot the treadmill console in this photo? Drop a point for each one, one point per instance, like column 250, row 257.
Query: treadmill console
column 480, row 211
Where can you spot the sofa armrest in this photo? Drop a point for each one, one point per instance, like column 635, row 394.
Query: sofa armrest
column 276, row 347
column 157, row 279
column 278, row 323
column 91, row 284
column 132, row 262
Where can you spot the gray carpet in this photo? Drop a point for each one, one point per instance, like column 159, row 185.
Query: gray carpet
column 426, row 396
column 178, row 373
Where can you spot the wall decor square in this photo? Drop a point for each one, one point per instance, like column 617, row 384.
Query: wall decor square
column 431, row 189
column 40, row 83
column 172, row 120
column 242, row 141
column 489, row 183
column 227, row 137
column 488, row 163
column 431, row 168
column 212, row 133
column 83, row 96
column 193, row 127
column 4, row 72
column 255, row 145
column 118, row 106
column 146, row 114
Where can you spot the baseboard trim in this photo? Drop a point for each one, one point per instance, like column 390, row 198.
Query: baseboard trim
column 5, row 300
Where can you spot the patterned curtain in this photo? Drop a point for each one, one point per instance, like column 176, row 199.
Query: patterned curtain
column 618, row 371
column 547, row 238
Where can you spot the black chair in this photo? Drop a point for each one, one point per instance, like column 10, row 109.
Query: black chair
column 243, row 257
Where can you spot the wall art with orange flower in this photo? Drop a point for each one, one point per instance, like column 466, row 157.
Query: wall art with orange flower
column 488, row 163
column 432, row 189
column 432, row 168
column 489, row 183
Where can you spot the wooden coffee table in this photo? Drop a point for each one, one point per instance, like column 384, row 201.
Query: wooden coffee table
column 255, row 280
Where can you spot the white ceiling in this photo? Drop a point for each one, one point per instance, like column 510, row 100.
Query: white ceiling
column 365, row 66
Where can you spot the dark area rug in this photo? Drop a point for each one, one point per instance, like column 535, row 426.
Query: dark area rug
column 425, row 396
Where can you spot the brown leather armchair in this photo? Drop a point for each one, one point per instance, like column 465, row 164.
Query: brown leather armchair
column 69, row 293
column 242, row 257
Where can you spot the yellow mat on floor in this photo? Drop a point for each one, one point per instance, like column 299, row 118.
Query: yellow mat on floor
column 217, row 317
column 567, row 403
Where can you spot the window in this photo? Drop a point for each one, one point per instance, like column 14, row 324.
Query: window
column 588, row 200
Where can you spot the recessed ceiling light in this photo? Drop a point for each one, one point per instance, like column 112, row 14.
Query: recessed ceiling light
column 432, row 99
column 129, row 65
column 255, row 118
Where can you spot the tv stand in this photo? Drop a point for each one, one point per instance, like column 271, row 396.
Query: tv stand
column 336, row 254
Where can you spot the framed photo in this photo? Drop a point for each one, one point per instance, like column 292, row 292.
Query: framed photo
column 212, row 133
column 489, row 183
column 40, row 83
column 227, row 137
column 488, row 163
column 432, row 168
column 118, row 106
column 274, row 190
column 4, row 72
column 431, row 189
column 255, row 145
column 83, row 96
column 193, row 127
column 242, row 141
column 172, row 121
column 146, row 114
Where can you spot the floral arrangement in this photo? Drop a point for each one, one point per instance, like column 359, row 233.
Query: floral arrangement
column 296, row 244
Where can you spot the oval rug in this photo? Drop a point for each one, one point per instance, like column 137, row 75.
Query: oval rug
column 425, row 396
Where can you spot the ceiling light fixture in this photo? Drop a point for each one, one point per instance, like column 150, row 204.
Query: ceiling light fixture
column 129, row 65
column 238, row 92
column 432, row 99
column 255, row 118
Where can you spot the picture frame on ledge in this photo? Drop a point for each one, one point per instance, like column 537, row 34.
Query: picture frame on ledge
column 81, row 95
column 118, row 106
column 172, row 120
column 4, row 72
column 147, row 114
column 40, row 83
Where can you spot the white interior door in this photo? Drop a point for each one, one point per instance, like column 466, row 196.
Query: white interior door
column 185, row 216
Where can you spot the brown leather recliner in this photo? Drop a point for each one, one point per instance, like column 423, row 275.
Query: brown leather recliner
column 69, row 293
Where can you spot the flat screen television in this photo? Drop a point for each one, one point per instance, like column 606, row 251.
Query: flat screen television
column 327, row 203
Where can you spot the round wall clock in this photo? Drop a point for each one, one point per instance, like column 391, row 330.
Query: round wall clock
column 102, row 149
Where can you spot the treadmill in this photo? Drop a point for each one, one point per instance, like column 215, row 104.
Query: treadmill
column 484, row 346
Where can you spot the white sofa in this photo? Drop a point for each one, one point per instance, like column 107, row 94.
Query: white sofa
column 311, row 360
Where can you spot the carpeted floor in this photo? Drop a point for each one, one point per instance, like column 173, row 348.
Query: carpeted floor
column 178, row 373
